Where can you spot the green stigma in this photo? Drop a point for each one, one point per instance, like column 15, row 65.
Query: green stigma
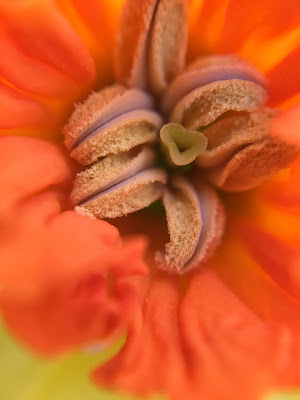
column 181, row 146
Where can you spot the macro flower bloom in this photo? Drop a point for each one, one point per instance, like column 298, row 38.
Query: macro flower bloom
column 228, row 330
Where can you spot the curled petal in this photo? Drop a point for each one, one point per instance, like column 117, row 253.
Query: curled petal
column 60, row 271
column 62, row 297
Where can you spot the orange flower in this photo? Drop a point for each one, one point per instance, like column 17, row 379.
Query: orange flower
column 229, row 330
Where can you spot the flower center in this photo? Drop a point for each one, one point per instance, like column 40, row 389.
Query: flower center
column 211, row 115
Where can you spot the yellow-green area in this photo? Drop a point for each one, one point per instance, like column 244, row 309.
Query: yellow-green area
column 290, row 395
column 25, row 376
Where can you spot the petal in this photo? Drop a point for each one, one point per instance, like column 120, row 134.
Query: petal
column 287, row 125
column 209, row 15
column 60, row 271
column 268, row 17
column 63, row 296
column 97, row 23
column 221, row 20
column 72, row 316
column 42, row 32
column 284, row 192
column 46, row 69
column 253, row 285
column 35, row 77
column 263, row 220
column 282, row 265
column 206, row 336
column 29, row 166
column 284, row 78
column 31, row 112
column 265, row 33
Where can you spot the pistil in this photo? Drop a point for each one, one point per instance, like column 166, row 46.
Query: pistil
column 181, row 146
column 211, row 113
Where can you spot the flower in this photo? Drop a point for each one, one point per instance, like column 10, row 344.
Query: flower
column 230, row 329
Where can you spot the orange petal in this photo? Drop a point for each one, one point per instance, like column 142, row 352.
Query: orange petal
column 60, row 271
column 252, row 284
column 287, row 125
column 43, row 33
column 30, row 113
column 28, row 166
column 285, row 191
column 280, row 265
column 284, row 78
column 57, row 275
column 269, row 17
column 97, row 23
column 44, row 57
column 83, row 315
column 245, row 346
column 208, row 18
column 64, row 295
column 135, row 368
column 207, row 337
column 29, row 74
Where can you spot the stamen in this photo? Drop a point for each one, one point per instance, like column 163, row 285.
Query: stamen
column 196, row 223
column 101, row 108
column 131, row 195
column 106, row 173
column 151, row 45
column 184, row 225
column 205, row 71
column 241, row 152
column 121, row 134
column 205, row 104
column 167, row 45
